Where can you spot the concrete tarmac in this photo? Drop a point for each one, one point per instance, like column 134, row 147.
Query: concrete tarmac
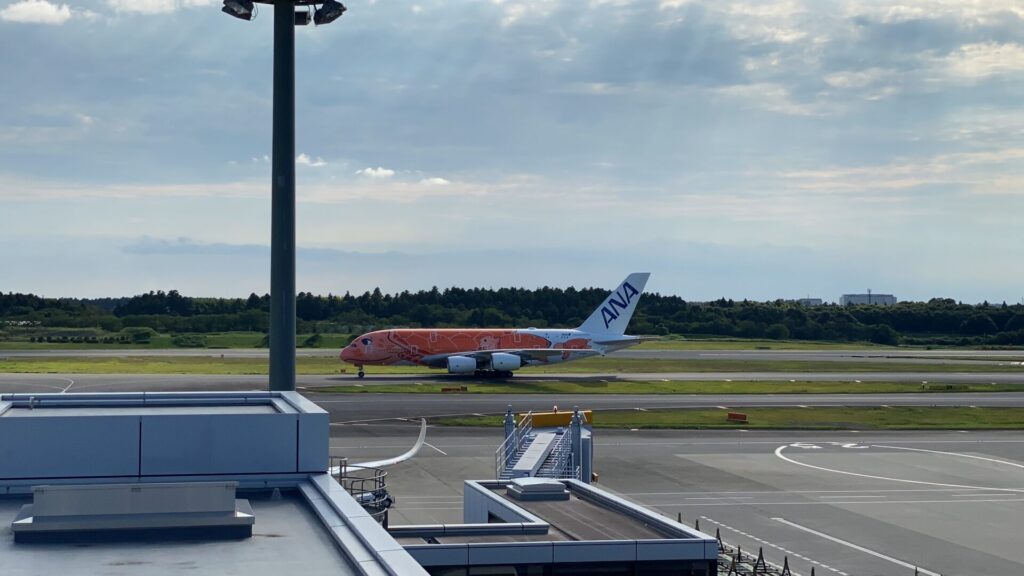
column 845, row 504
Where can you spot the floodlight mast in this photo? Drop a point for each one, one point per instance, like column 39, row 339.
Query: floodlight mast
column 282, row 219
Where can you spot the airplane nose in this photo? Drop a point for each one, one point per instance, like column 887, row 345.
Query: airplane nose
column 346, row 354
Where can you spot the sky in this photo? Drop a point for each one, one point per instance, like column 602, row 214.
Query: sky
column 738, row 149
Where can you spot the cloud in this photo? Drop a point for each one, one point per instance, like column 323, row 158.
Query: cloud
column 305, row 160
column 435, row 181
column 377, row 173
column 983, row 60
column 771, row 97
column 856, row 78
column 188, row 246
column 972, row 12
column 36, row 12
column 989, row 172
column 19, row 190
column 156, row 6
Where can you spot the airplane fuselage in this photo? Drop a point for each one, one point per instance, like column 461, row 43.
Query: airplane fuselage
column 407, row 347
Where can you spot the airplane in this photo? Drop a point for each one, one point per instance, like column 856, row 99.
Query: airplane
column 497, row 352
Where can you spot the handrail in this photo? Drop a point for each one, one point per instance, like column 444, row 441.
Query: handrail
column 512, row 443
column 368, row 486
column 563, row 457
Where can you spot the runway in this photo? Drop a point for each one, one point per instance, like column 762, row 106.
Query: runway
column 842, row 503
column 13, row 382
column 371, row 407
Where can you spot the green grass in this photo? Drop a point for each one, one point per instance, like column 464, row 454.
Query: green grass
column 612, row 365
column 331, row 365
column 670, row 387
column 840, row 418
column 160, row 365
column 675, row 343
column 163, row 341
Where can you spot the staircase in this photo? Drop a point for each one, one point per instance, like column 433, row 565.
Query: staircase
column 509, row 471
column 526, row 452
column 512, row 449
column 558, row 463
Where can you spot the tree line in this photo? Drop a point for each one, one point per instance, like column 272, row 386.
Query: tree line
column 937, row 321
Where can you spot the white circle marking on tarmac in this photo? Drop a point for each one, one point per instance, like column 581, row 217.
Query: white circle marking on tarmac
column 997, row 461
column 778, row 452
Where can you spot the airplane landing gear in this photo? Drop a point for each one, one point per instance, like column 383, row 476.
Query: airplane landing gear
column 361, row 373
column 492, row 373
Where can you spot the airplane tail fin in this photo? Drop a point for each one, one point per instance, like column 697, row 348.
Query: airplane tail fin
column 613, row 315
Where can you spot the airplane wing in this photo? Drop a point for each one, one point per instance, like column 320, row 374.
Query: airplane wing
column 389, row 461
column 613, row 344
column 630, row 340
column 537, row 354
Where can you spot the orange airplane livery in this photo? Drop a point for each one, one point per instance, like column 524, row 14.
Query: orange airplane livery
column 497, row 351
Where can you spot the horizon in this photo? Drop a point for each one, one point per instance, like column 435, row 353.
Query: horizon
column 442, row 289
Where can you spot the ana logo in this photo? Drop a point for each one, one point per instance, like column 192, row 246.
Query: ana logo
column 615, row 307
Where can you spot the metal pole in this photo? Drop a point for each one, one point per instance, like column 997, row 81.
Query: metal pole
column 282, row 227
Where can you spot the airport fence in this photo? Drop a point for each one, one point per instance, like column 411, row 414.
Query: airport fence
column 734, row 561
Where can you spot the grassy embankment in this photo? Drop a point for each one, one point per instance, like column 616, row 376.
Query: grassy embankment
column 330, row 365
column 846, row 418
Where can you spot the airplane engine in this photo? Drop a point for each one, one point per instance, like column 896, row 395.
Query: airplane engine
column 461, row 364
column 502, row 361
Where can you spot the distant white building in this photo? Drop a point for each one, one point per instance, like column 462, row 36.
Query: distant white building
column 869, row 298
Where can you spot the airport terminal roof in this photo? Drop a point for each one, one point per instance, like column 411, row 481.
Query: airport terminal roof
column 286, row 535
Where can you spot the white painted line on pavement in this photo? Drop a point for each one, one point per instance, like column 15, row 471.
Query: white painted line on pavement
column 778, row 452
column 725, row 497
column 776, row 546
column 859, row 548
column 834, row 502
column 70, row 384
column 435, row 448
column 883, row 491
column 997, row 461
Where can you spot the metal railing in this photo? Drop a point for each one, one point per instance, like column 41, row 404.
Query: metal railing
column 368, row 487
column 511, row 447
column 559, row 463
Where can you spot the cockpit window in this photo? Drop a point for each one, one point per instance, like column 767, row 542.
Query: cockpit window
column 367, row 341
